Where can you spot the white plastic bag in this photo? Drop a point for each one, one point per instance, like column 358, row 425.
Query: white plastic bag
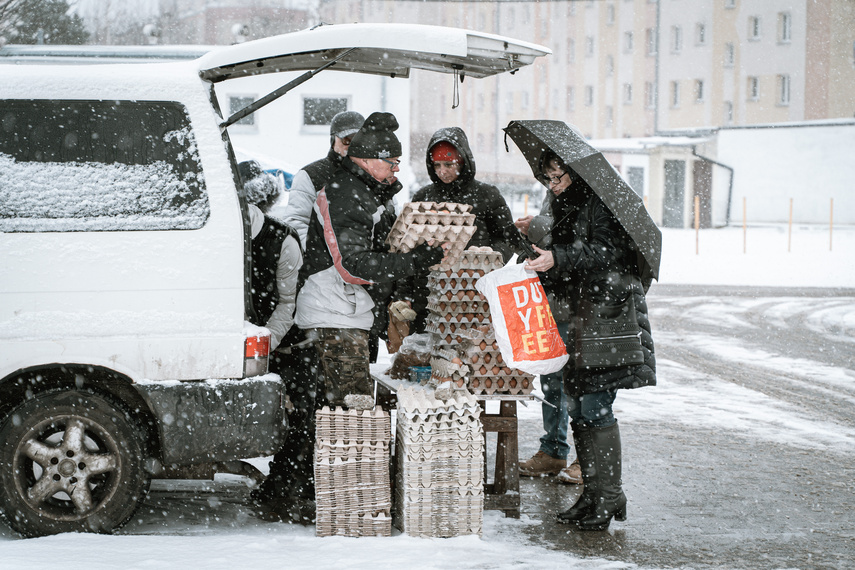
column 525, row 329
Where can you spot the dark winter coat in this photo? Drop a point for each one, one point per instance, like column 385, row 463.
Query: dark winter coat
column 492, row 216
column 346, row 255
column 610, row 337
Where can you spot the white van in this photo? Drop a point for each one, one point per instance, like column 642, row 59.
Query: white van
column 124, row 264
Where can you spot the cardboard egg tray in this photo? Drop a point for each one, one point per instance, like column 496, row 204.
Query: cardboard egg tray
column 450, row 305
column 444, row 370
column 439, row 449
column 420, row 222
column 352, row 485
column 478, row 259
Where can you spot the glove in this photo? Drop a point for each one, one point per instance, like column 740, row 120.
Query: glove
column 424, row 256
column 402, row 311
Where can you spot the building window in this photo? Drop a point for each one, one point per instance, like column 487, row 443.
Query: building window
column 610, row 65
column 571, row 99
column 571, row 51
column 589, row 46
column 524, row 102
column 675, row 94
column 676, row 39
column 627, row 42
column 730, row 4
column 509, row 102
column 649, row 95
column 753, row 88
column 699, row 90
column 650, row 40
column 610, row 116
column 319, row 111
column 783, row 90
column 700, row 34
column 754, row 28
column 627, row 93
column 589, row 95
column 785, row 27
column 728, row 113
column 556, row 99
column 238, row 102
column 610, row 14
column 729, row 56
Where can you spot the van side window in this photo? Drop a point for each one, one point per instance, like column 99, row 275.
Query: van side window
column 68, row 166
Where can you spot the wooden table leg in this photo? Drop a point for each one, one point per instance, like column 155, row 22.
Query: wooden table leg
column 504, row 493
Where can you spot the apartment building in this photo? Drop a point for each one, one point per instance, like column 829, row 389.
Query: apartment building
column 638, row 69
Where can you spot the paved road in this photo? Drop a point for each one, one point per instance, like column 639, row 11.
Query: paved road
column 722, row 497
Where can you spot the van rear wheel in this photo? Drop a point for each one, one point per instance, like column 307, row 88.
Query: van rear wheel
column 70, row 461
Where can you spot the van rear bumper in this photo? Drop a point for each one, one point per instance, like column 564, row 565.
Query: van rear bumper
column 218, row 420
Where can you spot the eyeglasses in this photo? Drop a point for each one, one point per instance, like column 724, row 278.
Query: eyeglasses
column 554, row 179
column 392, row 163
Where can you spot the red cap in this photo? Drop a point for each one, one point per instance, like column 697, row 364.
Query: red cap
column 444, row 151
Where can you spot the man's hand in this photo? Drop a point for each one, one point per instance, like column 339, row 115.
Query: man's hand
column 522, row 224
column 543, row 262
column 401, row 310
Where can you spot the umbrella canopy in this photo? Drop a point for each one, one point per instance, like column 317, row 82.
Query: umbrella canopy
column 535, row 137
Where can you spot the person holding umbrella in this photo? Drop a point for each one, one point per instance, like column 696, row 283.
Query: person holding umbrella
column 603, row 268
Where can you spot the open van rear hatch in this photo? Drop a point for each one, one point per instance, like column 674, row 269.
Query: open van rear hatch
column 379, row 49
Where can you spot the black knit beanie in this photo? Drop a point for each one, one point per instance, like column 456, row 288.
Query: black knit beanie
column 376, row 138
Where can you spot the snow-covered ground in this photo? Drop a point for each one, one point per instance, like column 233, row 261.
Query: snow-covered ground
column 223, row 535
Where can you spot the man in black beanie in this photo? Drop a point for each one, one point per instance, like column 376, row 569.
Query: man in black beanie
column 349, row 273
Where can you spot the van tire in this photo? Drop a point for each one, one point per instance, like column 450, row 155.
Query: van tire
column 57, row 440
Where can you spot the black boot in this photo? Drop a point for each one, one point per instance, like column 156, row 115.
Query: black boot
column 609, row 500
column 583, row 441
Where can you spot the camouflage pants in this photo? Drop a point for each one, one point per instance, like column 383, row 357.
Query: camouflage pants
column 343, row 362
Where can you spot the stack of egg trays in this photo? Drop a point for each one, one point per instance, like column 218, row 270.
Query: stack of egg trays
column 352, row 485
column 489, row 373
column 439, row 450
column 457, row 318
column 420, row 222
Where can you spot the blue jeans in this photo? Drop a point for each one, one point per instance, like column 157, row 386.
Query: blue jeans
column 592, row 410
column 554, row 441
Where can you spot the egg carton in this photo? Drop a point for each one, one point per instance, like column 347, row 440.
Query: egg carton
column 489, row 357
column 490, row 385
column 351, row 469
column 441, row 305
column 459, row 272
column 406, row 239
column 479, row 258
column 413, row 402
column 355, row 524
column 355, row 425
column 442, row 284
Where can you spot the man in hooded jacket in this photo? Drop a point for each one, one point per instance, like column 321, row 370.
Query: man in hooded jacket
column 451, row 167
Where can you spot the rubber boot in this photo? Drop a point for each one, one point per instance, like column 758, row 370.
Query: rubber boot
column 609, row 501
column 583, row 439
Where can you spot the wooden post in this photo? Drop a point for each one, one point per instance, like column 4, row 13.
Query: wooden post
column 790, row 228
column 830, row 224
column 697, row 223
column 744, row 226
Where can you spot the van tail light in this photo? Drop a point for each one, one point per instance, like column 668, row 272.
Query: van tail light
column 256, row 355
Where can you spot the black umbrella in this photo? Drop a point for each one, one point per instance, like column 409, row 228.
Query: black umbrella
column 535, row 137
